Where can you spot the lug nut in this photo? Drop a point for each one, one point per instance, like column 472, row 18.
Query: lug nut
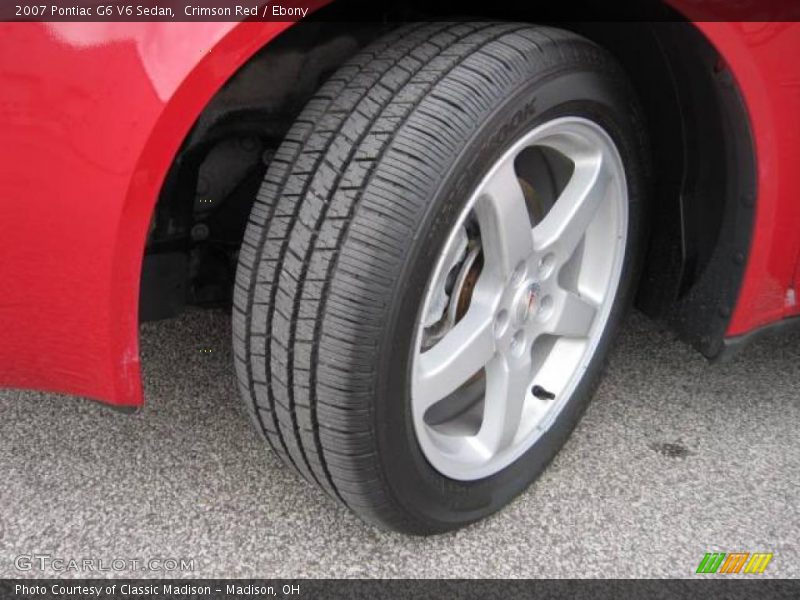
column 518, row 343
column 500, row 323
column 546, row 264
column 545, row 308
column 518, row 274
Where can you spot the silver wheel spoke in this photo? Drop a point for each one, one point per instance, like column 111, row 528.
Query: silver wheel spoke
column 573, row 316
column 455, row 358
column 503, row 219
column 530, row 321
column 507, row 385
column 562, row 229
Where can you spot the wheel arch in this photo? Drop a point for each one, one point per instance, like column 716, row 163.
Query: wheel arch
column 193, row 84
column 691, row 279
column 705, row 177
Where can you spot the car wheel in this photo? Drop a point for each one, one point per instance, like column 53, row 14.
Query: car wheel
column 436, row 264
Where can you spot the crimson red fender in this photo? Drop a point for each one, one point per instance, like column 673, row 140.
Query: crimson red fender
column 92, row 115
column 761, row 58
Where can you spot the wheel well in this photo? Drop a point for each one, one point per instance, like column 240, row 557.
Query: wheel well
column 704, row 180
column 203, row 206
column 703, row 194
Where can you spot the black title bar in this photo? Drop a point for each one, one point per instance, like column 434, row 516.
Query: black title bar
column 397, row 10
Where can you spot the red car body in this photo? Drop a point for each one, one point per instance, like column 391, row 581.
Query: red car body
column 92, row 115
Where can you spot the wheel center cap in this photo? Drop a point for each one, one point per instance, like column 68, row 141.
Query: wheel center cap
column 526, row 302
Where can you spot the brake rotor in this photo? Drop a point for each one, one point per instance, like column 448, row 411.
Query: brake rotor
column 465, row 285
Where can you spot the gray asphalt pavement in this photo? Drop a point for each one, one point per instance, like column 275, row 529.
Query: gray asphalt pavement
column 674, row 458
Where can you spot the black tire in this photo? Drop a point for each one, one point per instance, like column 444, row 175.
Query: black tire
column 344, row 233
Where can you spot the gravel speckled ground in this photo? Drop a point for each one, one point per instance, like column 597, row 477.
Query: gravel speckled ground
column 674, row 458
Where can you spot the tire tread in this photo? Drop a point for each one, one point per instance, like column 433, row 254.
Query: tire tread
column 329, row 230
